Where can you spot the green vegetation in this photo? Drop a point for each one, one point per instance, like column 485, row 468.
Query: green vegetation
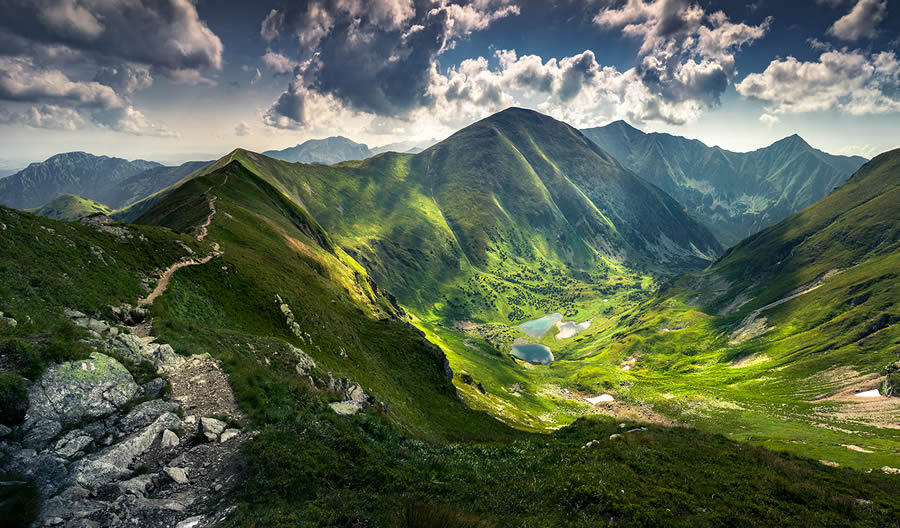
column 287, row 276
column 69, row 207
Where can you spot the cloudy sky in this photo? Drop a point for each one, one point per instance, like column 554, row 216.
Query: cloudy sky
column 172, row 80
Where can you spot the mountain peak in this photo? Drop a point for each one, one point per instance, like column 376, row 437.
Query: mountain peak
column 793, row 141
column 623, row 125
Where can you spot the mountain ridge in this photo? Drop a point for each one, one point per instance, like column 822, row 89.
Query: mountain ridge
column 77, row 173
column 733, row 193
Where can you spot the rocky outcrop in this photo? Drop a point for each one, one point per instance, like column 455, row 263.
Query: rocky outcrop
column 105, row 452
column 891, row 384
column 74, row 391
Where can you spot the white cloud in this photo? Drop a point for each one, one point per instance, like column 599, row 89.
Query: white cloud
column 128, row 120
column 849, row 81
column 769, row 120
column 45, row 116
column 861, row 21
column 242, row 129
column 22, row 80
column 370, row 56
column 687, row 56
column 464, row 19
column 279, row 63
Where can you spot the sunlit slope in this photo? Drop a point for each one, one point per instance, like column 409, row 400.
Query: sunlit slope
column 787, row 328
column 352, row 328
column 452, row 228
column 69, row 207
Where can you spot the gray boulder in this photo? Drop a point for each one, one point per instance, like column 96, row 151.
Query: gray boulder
column 153, row 388
column 211, row 428
column 144, row 414
column 112, row 463
column 40, row 432
column 71, row 391
column 47, row 471
column 126, row 346
column 72, row 443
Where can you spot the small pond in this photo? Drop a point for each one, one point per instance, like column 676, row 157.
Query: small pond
column 536, row 328
column 533, row 353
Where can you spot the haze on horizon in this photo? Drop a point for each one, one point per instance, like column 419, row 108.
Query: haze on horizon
column 170, row 80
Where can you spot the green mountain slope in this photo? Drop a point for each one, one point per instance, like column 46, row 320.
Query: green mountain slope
column 452, row 229
column 734, row 194
column 428, row 459
column 784, row 331
column 69, row 207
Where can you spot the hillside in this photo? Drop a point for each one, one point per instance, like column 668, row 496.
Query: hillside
column 449, row 229
column 76, row 173
column 787, row 334
column 331, row 394
column 147, row 183
column 734, row 194
column 69, row 207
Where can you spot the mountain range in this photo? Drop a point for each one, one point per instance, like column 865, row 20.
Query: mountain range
column 515, row 190
column 338, row 148
column 264, row 342
column 113, row 182
column 734, row 194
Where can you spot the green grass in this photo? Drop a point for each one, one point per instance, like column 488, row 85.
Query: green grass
column 69, row 207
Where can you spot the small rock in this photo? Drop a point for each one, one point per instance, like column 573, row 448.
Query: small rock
column 145, row 413
column 891, row 471
column 153, row 388
column 4, row 431
column 190, row 522
column 176, row 474
column 636, row 429
column 72, row 443
column 41, row 431
column 170, row 439
column 73, row 314
column 591, row 444
column 136, row 486
column 190, row 420
column 54, row 521
column 228, row 434
column 211, row 427
column 615, row 437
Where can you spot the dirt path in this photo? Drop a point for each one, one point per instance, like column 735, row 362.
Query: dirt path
column 166, row 277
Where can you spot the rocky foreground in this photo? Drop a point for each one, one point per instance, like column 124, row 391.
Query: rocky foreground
column 104, row 450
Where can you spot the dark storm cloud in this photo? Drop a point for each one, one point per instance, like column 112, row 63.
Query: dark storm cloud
column 373, row 56
column 167, row 35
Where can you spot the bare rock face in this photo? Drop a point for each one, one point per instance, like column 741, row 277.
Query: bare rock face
column 891, row 384
column 73, row 391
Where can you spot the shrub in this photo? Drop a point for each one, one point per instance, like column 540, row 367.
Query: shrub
column 20, row 501
column 13, row 398
column 27, row 360
column 418, row 514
